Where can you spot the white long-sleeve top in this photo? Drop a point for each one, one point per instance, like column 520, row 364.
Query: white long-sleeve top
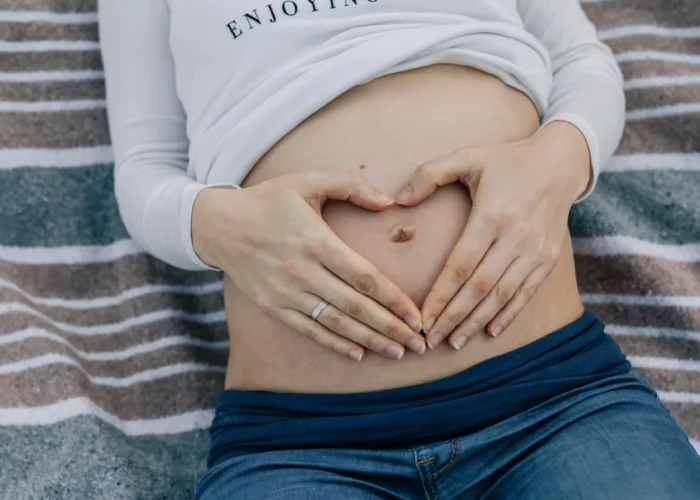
column 199, row 90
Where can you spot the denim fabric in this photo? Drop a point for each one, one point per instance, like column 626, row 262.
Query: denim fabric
column 575, row 355
column 609, row 440
column 561, row 417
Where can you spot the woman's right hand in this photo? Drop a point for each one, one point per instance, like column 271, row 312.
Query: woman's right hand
column 271, row 240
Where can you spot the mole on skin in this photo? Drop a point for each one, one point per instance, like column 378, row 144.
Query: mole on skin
column 402, row 234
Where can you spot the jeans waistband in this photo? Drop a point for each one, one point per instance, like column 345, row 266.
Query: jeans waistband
column 574, row 355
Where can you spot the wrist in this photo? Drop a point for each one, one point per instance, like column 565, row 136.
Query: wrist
column 564, row 150
column 207, row 218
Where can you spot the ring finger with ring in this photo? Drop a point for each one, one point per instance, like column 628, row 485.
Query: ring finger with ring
column 338, row 322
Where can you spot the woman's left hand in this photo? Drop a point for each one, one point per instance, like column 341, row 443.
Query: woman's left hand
column 522, row 193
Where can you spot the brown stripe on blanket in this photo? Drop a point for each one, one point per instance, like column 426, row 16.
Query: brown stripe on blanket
column 681, row 318
column 130, row 308
column 168, row 396
column 53, row 5
column 636, row 275
column 629, row 12
column 677, row 134
column 646, row 68
column 686, row 414
column 125, row 335
column 101, row 279
column 610, row 15
column 654, row 42
column 51, row 61
column 66, row 129
column 654, row 5
column 665, row 347
column 119, row 368
column 53, row 91
column 671, row 380
column 662, row 96
column 22, row 32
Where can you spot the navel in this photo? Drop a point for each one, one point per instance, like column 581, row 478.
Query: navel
column 401, row 233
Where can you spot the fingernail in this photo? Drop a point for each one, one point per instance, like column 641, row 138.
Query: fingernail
column 417, row 346
column 459, row 343
column 434, row 341
column 428, row 324
column 405, row 194
column 414, row 323
column 386, row 199
column 356, row 355
column 496, row 331
column 395, row 351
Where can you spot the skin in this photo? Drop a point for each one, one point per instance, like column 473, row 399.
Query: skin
column 309, row 224
column 514, row 236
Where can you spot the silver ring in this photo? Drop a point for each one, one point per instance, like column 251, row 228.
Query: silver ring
column 319, row 309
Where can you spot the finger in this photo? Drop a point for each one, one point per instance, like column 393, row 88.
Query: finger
column 521, row 297
column 469, row 251
column 367, row 280
column 479, row 285
column 354, row 188
column 500, row 295
column 320, row 334
column 338, row 322
column 363, row 309
column 436, row 173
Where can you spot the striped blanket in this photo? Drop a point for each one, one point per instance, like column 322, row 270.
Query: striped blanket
column 110, row 361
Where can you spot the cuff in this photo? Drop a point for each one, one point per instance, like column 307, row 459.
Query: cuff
column 188, row 197
column 591, row 140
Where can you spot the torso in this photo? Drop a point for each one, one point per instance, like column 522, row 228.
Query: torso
column 386, row 129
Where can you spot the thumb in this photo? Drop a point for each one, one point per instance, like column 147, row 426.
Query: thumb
column 354, row 188
column 437, row 173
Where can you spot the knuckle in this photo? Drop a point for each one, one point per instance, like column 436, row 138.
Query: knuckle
column 501, row 219
column 529, row 289
column 423, row 171
column 461, row 273
column 372, row 343
column 265, row 304
column 503, row 294
column 291, row 269
column 354, row 308
column 366, row 283
column 313, row 248
column 438, row 300
column 310, row 332
column 393, row 332
column 481, row 285
column 455, row 318
column 507, row 318
column 392, row 304
column 334, row 321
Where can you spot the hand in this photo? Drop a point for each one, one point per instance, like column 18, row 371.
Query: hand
column 272, row 242
column 522, row 193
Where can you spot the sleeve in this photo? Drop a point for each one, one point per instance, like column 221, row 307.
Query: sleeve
column 588, row 87
column 148, row 130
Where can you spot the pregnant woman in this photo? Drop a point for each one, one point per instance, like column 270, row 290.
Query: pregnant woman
column 385, row 185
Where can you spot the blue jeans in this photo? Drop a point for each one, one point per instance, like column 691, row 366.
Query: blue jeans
column 611, row 439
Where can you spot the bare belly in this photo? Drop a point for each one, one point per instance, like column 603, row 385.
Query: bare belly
column 386, row 129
